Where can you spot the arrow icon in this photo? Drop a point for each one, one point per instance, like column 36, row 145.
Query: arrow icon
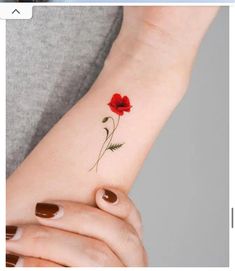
column 15, row 10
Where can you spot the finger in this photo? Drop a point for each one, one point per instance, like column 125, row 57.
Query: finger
column 120, row 236
column 117, row 203
column 61, row 247
column 13, row 260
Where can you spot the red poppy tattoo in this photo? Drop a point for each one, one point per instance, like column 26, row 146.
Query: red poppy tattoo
column 118, row 105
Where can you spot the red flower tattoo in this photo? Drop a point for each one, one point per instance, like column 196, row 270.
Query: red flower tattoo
column 118, row 105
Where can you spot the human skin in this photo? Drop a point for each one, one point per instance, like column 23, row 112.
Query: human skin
column 150, row 62
column 76, row 235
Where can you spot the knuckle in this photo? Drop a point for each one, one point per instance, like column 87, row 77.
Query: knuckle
column 98, row 253
column 137, row 217
column 129, row 234
column 36, row 236
column 133, row 242
column 39, row 233
column 84, row 212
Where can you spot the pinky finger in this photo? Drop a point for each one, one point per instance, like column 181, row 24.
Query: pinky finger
column 20, row 261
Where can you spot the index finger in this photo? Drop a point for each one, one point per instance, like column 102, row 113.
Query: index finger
column 118, row 203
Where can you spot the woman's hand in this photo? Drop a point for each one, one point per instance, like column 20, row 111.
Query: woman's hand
column 74, row 234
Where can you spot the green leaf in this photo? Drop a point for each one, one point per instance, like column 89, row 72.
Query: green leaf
column 105, row 119
column 114, row 146
column 107, row 132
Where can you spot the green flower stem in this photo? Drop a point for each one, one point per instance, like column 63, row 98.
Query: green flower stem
column 110, row 141
column 110, row 137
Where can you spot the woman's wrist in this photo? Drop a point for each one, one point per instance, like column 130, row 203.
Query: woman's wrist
column 154, row 71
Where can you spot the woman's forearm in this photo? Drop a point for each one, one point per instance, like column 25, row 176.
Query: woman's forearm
column 62, row 160
column 61, row 166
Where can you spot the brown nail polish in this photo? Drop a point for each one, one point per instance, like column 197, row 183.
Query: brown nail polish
column 109, row 196
column 46, row 210
column 11, row 260
column 10, row 232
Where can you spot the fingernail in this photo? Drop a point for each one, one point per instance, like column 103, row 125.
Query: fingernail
column 13, row 233
column 48, row 210
column 14, row 261
column 109, row 196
